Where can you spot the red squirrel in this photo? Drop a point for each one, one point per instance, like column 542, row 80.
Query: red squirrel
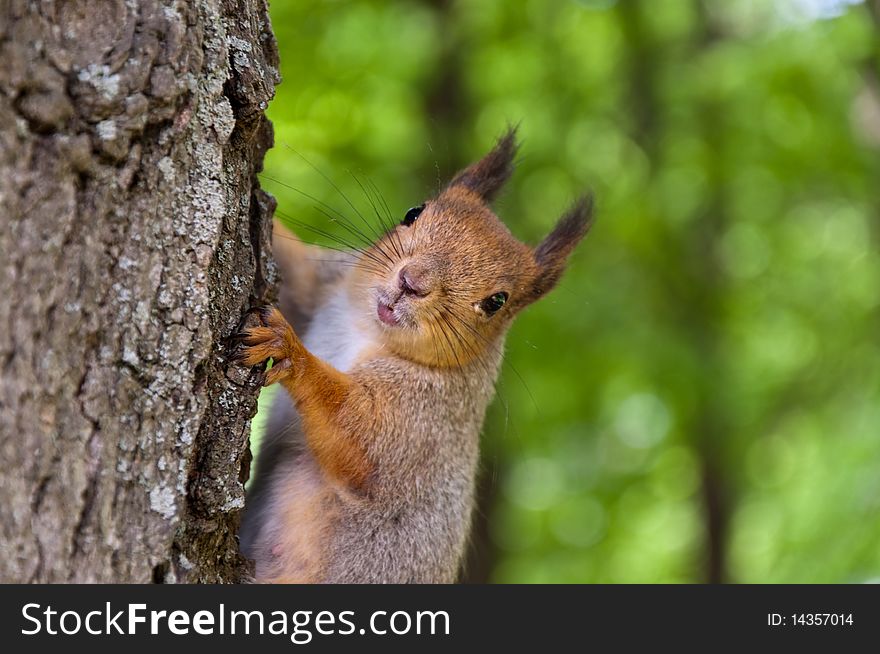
column 368, row 467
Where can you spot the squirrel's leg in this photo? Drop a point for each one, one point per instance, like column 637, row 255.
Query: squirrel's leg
column 307, row 271
column 329, row 402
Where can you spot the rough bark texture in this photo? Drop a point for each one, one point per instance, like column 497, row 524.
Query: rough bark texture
column 134, row 238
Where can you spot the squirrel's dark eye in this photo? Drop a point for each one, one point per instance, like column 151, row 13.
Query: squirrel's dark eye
column 411, row 215
column 494, row 302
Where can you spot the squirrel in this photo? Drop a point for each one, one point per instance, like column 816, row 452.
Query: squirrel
column 368, row 467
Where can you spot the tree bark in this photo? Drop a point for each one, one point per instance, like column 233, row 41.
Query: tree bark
column 134, row 239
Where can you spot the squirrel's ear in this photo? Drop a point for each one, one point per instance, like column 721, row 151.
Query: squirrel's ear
column 552, row 254
column 488, row 175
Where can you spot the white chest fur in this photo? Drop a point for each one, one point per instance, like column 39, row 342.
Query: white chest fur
column 335, row 333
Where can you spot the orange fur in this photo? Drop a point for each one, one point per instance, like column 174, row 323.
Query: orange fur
column 301, row 527
column 325, row 397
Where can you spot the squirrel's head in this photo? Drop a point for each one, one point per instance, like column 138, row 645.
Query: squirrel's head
column 445, row 284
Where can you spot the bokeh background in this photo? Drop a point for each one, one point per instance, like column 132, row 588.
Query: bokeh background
column 700, row 399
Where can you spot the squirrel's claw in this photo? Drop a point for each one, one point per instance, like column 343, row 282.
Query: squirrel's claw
column 277, row 372
column 271, row 338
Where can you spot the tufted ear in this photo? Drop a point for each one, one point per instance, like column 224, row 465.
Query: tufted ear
column 552, row 253
column 488, row 175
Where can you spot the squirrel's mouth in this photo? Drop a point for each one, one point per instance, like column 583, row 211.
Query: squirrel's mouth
column 386, row 314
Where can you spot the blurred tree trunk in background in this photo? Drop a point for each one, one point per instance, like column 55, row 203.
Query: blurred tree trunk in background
column 696, row 284
column 446, row 107
column 707, row 294
column 134, row 238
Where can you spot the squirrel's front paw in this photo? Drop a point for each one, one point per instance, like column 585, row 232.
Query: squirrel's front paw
column 272, row 339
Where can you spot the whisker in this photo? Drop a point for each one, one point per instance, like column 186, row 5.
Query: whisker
column 448, row 340
column 478, row 356
column 385, row 227
column 369, row 243
column 391, row 219
column 327, row 179
column 339, row 218
column 363, row 265
column 389, row 229
column 355, row 262
column 335, row 238
column 503, row 359
column 470, row 349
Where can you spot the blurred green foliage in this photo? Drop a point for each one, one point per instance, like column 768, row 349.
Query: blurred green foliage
column 700, row 399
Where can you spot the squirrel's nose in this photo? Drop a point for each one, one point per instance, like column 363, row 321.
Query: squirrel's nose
column 413, row 281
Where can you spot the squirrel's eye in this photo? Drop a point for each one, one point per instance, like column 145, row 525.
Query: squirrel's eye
column 411, row 215
column 494, row 302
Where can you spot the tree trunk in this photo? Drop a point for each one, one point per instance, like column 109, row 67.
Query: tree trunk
column 134, row 239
